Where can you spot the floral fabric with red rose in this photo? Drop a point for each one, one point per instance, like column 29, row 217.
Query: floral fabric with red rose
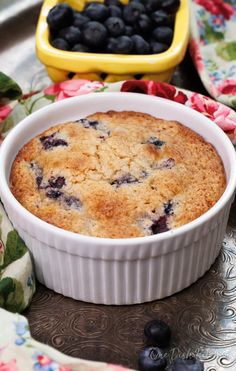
column 213, row 46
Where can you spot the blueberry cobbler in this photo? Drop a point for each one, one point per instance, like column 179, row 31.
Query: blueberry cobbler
column 118, row 175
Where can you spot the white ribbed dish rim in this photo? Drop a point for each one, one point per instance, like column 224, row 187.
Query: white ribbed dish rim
column 78, row 107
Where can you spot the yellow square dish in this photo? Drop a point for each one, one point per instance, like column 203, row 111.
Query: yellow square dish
column 110, row 67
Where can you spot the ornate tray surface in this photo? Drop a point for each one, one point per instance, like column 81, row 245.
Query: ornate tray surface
column 202, row 317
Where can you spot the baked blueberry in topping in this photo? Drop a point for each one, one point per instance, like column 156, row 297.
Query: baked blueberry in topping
column 160, row 225
column 167, row 164
column 187, row 364
column 152, row 359
column 156, row 142
column 53, row 194
column 88, row 124
column 73, row 202
column 39, row 180
column 49, row 142
column 58, row 182
column 125, row 179
column 168, row 208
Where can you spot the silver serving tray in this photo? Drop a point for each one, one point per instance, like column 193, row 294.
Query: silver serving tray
column 202, row 317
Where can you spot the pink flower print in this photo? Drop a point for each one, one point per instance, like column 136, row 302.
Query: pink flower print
column 216, row 112
column 196, row 55
column 43, row 360
column 228, row 87
column 4, row 112
column 1, row 247
column 9, row 366
column 217, row 7
column 72, row 88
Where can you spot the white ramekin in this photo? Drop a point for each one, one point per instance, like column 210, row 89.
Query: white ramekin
column 119, row 271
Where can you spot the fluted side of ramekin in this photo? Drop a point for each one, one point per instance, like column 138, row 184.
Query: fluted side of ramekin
column 119, row 271
column 127, row 281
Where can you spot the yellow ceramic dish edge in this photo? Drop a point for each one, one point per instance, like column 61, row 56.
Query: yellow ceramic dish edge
column 111, row 63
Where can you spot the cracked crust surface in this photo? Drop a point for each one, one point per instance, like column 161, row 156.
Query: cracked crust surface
column 118, row 175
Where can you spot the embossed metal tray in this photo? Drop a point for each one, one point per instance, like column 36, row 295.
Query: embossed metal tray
column 202, row 317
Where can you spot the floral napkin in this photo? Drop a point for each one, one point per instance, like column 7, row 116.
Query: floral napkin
column 213, row 46
column 19, row 352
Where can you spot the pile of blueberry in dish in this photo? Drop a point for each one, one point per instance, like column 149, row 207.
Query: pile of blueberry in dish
column 154, row 356
column 139, row 27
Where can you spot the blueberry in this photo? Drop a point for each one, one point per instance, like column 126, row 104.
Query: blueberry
column 156, row 142
column 168, row 208
column 163, row 34
column 140, row 45
column 124, row 45
column 153, row 5
column 115, row 11
column 129, row 31
column 48, row 142
column 160, row 17
column 96, row 11
column 80, row 20
column 111, row 45
column 143, row 24
column 61, row 44
column 160, row 225
column 81, row 48
column 125, row 179
column 71, row 34
column 167, row 164
column 152, row 359
column 60, row 16
column 113, row 2
column 115, row 26
column 73, row 202
column 58, row 182
column 157, row 47
column 132, row 12
column 137, row 1
column 171, row 6
column 94, row 34
column 187, row 364
column 158, row 332
column 53, row 194
column 88, row 123
column 39, row 180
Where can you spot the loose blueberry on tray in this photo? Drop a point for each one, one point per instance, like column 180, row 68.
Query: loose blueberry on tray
column 152, row 359
column 158, row 332
column 187, row 364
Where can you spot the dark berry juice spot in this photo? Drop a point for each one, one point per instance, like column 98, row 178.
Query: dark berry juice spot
column 125, row 179
column 167, row 164
column 73, row 202
column 53, row 194
column 49, row 141
column 58, row 182
column 156, row 142
column 160, row 225
column 168, row 208
column 39, row 180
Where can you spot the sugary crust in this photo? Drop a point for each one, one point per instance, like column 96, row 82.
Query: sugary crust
column 117, row 177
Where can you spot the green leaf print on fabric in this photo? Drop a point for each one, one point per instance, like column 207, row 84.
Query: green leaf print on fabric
column 9, row 88
column 212, row 35
column 227, row 50
column 11, row 295
column 15, row 248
